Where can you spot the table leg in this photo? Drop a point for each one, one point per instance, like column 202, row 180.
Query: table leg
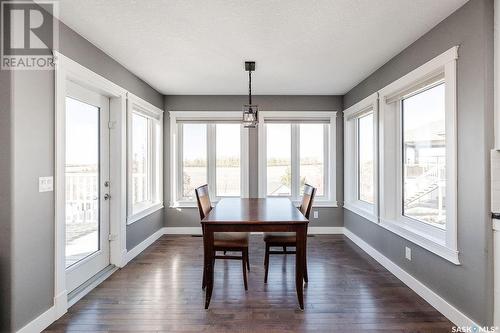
column 204, row 283
column 300, row 262
column 208, row 242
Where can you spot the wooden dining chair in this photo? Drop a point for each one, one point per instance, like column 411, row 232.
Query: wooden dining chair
column 288, row 239
column 224, row 241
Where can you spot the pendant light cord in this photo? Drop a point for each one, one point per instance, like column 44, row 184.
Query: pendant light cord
column 250, row 87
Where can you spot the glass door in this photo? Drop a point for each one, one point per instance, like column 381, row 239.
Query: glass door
column 87, row 186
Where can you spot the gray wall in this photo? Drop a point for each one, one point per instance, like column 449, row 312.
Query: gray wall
column 32, row 156
column 469, row 286
column 5, row 200
column 188, row 217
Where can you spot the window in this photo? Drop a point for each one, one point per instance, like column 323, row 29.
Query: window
column 208, row 148
column 418, row 156
column 279, row 159
column 228, row 160
column 424, row 156
column 312, row 157
column 360, row 149
column 297, row 149
column 366, row 178
column 194, row 159
column 145, row 159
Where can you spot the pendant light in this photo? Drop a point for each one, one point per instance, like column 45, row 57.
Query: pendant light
column 250, row 116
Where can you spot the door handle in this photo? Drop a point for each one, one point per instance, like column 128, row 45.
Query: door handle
column 107, row 196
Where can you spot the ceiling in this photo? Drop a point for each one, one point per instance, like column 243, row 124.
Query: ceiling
column 300, row 46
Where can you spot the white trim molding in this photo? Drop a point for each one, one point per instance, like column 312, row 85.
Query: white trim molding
column 68, row 70
column 440, row 304
column 329, row 118
column 41, row 322
column 154, row 117
column 441, row 241
column 367, row 106
column 134, row 252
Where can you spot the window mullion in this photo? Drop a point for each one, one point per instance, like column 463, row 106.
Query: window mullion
column 211, row 159
column 295, row 190
column 326, row 161
column 180, row 163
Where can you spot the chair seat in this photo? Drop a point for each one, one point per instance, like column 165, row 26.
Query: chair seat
column 280, row 237
column 231, row 239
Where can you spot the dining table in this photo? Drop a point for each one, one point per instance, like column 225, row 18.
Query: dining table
column 255, row 215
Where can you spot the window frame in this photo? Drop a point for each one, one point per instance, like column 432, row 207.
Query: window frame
column 295, row 118
column 211, row 118
column 154, row 115
column 441, row 242
column 367, row 106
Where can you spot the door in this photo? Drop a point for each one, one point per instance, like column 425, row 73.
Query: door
column 87, row 184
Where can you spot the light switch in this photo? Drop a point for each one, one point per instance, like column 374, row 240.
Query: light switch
column 45, row 184
column 315, row 214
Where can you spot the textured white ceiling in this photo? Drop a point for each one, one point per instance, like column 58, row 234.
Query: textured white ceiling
column 300, row 46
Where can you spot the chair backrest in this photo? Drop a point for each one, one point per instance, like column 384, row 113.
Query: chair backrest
column 203, row 200
column 307, row 200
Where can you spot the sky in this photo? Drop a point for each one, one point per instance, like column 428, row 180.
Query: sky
column 82, row 132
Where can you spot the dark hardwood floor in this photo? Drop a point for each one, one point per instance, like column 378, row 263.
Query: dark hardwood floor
column 160, row 290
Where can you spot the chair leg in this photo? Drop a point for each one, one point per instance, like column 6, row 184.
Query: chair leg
column 306, row 278
column 244, row 266
column 247, row 260
column 284, row 248
column 266, row 263
column 203, row 282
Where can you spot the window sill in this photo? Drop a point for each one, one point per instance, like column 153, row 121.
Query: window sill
column 433, row 245
column 145, row 212
column 186, row 204
column 361, row 211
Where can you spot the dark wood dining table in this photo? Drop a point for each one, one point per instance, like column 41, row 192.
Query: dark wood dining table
column 255, row 215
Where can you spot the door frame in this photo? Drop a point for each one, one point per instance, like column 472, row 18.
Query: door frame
column 69, row 70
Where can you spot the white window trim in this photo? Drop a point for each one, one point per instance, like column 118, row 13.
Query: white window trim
column 351, row 188
column 391, row 216
column 69, row 70
column 139, row 106
column 175, row 140
column 330, row 160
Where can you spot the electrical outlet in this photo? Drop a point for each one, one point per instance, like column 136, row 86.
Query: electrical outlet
column 316, row 214
column 408, row 253
column 45, row 184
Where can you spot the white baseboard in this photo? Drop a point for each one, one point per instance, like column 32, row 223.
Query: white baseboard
column 439, row 303
column 143, row 245
column 61, row 304
column 182, row 230
column 325, row 230
column 41, row 322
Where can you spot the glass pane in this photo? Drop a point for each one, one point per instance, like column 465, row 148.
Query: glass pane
column 424, row 156
column 279, row 165
column 312, row 157
column 365, row 158
column 228, row 161
column 140, row 160
column 82, row 180
column 194, row 158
